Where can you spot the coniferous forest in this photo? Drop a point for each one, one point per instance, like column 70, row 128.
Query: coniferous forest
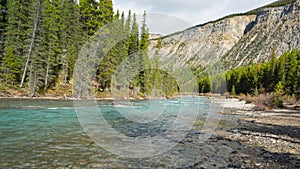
column 278, row 75
column 41, row 40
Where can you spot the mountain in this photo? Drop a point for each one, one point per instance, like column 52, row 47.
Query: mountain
column 275, row 29
column 237, row 39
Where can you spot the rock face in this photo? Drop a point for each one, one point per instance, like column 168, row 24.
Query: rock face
column 203, row 44
column 236, row 40
column 275, row 29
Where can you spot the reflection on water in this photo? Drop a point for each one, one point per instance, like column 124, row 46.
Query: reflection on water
column 43, row 134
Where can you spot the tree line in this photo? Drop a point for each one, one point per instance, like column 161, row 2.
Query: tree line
column 41, row 41
column 278, row 75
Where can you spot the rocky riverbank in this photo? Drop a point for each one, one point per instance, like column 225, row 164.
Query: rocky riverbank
column 273, row 135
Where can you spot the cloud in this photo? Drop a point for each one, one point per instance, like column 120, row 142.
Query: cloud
column 191, row 11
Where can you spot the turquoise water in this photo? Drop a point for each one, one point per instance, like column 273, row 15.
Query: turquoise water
column 48, row 134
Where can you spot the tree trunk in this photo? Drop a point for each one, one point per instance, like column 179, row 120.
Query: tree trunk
column 32, row 42
column 47, row 73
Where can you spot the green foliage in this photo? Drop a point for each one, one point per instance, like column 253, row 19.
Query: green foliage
column 204, row 85
column 106, row 11
column 279, row 89
column 144, row 61
column 89, row 16
column 233, row 90
column 3, row 25
column 277, row 75
column 19, row 25
column 256, row 93
column 62, row 27
column 10, row 71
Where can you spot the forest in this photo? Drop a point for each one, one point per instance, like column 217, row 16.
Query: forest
column 278, row 75
column 41, row 41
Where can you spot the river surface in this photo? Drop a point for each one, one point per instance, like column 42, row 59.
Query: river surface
column 50, row 134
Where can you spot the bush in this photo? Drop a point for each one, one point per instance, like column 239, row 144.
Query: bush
column 233, row 90
column 263, row 102
column 268, row 101
column 277, row 101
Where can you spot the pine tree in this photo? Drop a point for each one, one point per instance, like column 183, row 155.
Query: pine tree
column 169, row 83
column 44, row 65
column 69, row 39
column 36, row 22
column 156, row 69
column 133, row 48
column 110, row 57
column 127, row 31
column 144, row 61
column 90, row 16
column 106, row 12
column 20, row 25
column 291, row 72
column 3, row 27
column 10, row 68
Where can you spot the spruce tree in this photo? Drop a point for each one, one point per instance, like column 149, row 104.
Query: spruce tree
column 20, row 25
column 3, row 27
column 106, row 12
column 44, row 65
column 156, row 69
column 36, row 7
column 69, row 40
column 127, row 31
column 89, row 16
column 144, row 61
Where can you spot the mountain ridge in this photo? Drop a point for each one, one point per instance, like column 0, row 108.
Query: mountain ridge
column 208, row 43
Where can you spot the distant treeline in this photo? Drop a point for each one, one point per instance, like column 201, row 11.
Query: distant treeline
column 282, row 74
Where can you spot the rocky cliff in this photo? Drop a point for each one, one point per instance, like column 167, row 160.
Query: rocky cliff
column 275, row 29
column 236, row 40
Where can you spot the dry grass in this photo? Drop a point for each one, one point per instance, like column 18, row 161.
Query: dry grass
column 269, row 101
column 264, row 102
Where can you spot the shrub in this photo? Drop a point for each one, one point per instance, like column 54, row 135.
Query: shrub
column 263, row 102
column 233, row 90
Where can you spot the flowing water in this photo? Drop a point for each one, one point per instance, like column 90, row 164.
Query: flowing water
column 48, row 133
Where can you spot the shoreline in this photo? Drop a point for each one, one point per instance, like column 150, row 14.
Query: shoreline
column 276, row 131
column 135, row 98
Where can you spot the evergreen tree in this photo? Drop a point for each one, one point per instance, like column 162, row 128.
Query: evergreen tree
column 291, row 73
column 44, row 65
column 127, row 31
column 20, row 25
column 36, row 21
column 233, row 90
column 156, row 69
column 69, row 39
column 204, row 84
column 133, row 45
column 3, row 27
column 144, row 61
column 282, row 72
column 10, row 67
column 106, row 12
column 169, row 83
column 89, row 16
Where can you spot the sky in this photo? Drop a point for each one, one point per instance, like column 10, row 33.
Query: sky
column 168, row 16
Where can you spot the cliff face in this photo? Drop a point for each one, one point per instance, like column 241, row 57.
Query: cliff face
column 203, row 44
column 236, row 40
column 275, row 29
